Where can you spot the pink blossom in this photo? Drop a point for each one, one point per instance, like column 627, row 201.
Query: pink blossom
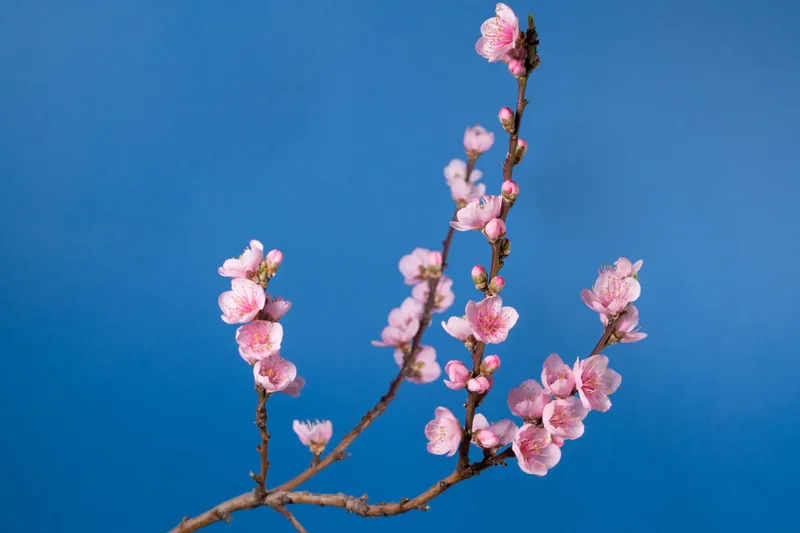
column 275, row 308
column 293, row 389
column 403, row 325
column 564, row 417
column 444, row 295
column 424, row 369
column 479, row 274
column 500, row 34
column 414, row 307
column 315, row 434
column 273, row 261
column 558, row 441
column 495, row 229
column 458, row 327
column 510, row 189
column 414, row 266
column 476, row 214
column 242, row 303
column 506, row 116
column 456, row 170
column 477, row 140
column 490, row 363
column 258, row 340
column 464, row 192
column 443, row 433
column 491, row 436
column 615, row 288
column 274, row 373
column 458, row 374
column 489, row 320
column 557, row 376
column 246, row 265
column 528, row 400
column 595, row 382
column 626, row 330
column 480, row 384
column 535, row 450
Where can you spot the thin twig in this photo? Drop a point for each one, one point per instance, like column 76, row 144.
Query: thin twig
column 263, row 449
column 290, row 517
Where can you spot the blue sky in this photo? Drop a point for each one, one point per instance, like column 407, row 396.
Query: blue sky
column 142, row 143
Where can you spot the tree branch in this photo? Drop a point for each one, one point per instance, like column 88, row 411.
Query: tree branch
column 290, row 517
column 263, row 449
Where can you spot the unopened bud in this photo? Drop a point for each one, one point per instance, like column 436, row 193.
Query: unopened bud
column 273, row 261
column 497, row 284
column 505, row 248
column 481, row 385
column 522, row 149
column 517, row 68
column 510, row 190
column 435, row 264
column 506, row 117
column 489, row 364
column 495, row 229
column 479, row 277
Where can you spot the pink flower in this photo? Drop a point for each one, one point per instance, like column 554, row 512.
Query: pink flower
column 535, row 450
column 558, row 441
column 275, row 308
column 557, row 377
column 458, row 374
column 458, row 327
column 464, row 192
column 489, row 364
column 414, row 266
column 528, row 400
column 499, row 34
column 491, row 436
column 495, row 229
column 443, row 433
column 595, row 382
column 517, row 67
column 293, row 389
column 403, row 325
column 564, row 417
column 615, row 288
column 444, row 295
column 274, row 373
column 315, row 434
column 480, row 384
column 413, row 306
column 476, row 215
column 457, row 171
column 477, row 140
column 246, row 265
column 626, row 330
column 424, row 369
column 258, row 340
column 242, row 303
column 489, row 320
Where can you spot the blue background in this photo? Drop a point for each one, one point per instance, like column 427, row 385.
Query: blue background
column 143, row 142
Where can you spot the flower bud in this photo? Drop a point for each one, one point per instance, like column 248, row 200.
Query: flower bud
column 495, row 229
column 510, row 190
column 458, row 374
column 505, row 248
column 481, row 385
column 506, row 117
column 489, row 364
column 273, row 261
column 479, row 277
column 517, row 67
column 434, row 264
column 522, row 149
column 497, row 284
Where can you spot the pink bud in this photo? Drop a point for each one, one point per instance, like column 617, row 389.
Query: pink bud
column 478, row 272
column 522, row 149
column 481, row 384
column 490, row 363
column 516, row 67
column 497, row 284
column 495, row 229
column 274, row 257
column 486, row 438
column 272, row 261
column 506, row 117
column 434, row 258
column 510, row 190
column 458, row 374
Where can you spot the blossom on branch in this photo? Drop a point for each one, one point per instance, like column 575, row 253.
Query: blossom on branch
column 246, row 265
column 443, row 433
column 626, row 327
column 275, row 308
column 274, row 373
column 242, row 303
column 403, row 325
column 564, row 417
column 499, row 34
column 258, row 340
column 315, row 434
column 424, row 369
column 557, row 376
column 595, row 382
column 528, row 400
column 535, row 450
column 494, row 435
column 444, row 294
column 489, row 320
column 477, row 214
column 477, row 141
column 615, row 288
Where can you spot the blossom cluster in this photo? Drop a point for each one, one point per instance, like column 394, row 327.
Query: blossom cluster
column 552, row 412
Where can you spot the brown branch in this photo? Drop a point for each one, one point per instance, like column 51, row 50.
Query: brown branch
column 290, row 517
column 263, row 449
